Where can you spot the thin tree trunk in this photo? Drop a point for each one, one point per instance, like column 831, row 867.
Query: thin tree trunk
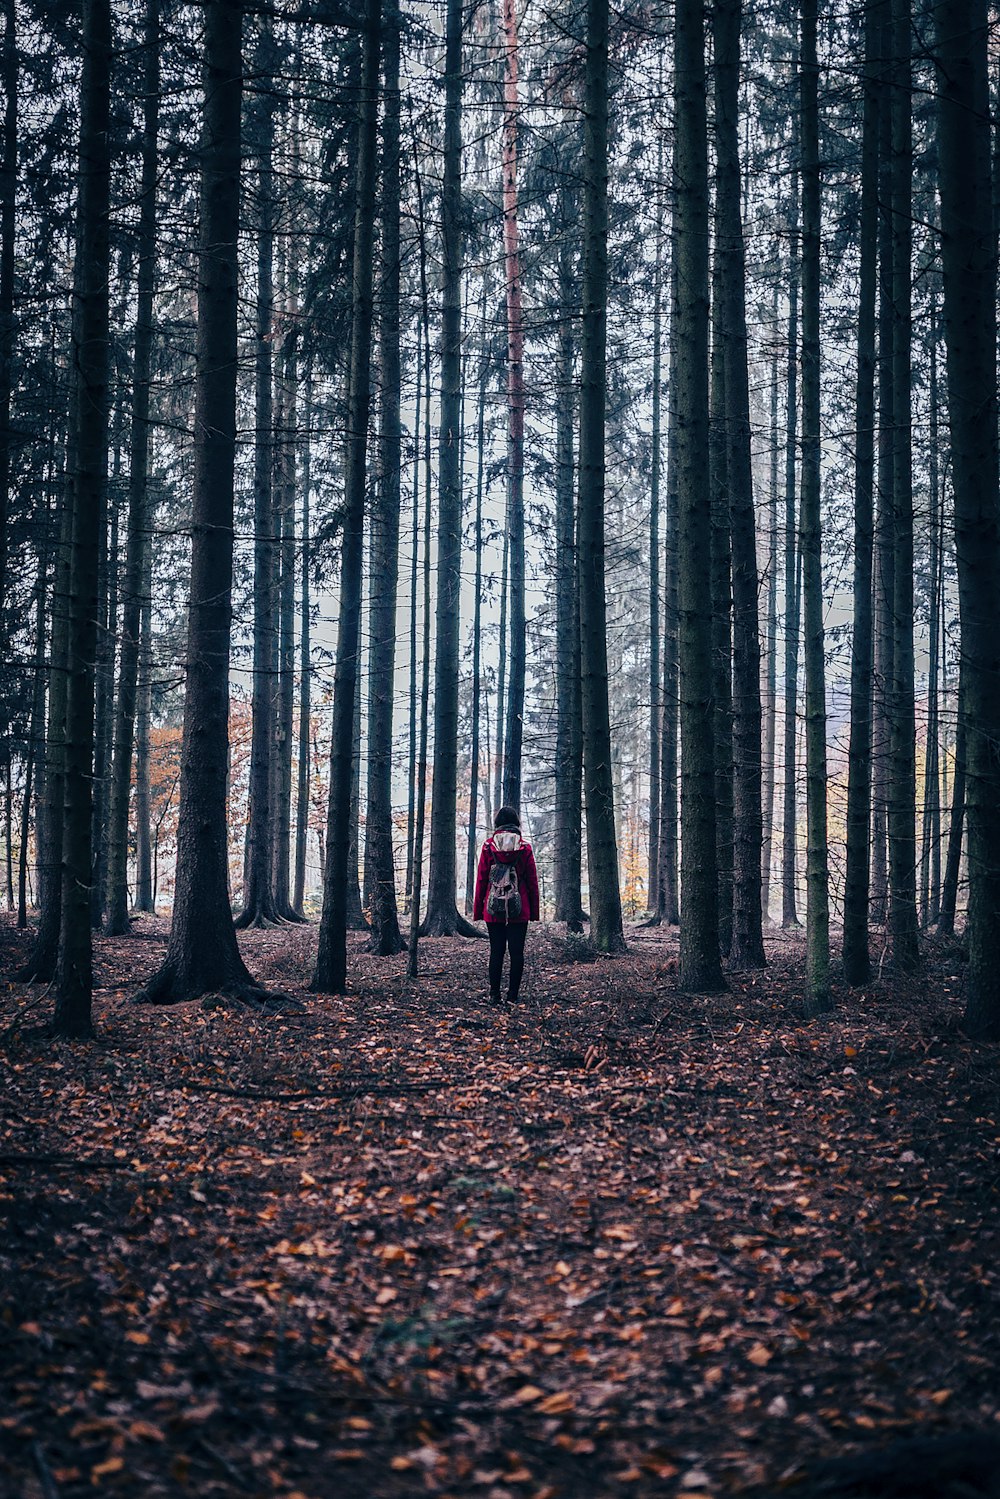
column 567, row 854
column 281, row 812
column 884, row 551
column 722, row 618
column 8, row 322
column 474, row 754
column 969, row 259
column 857, row 965
column 259, row 909
column 931, row 861
column 902, row 809
column 771, row 710
column 305, row 665
column 655, row 602
column 330, row 975
column 74, row 980
column 602, row 850
column 501, row 713
column 789, row 910
column 953, row 860
column 669, row 892
column 413, row 945
column 137, row 542
column 700, row 968
column 442, row 917
column 412, row 749
column 144, row 900
column 817, row 879
column 515, row 413
column 747, row 947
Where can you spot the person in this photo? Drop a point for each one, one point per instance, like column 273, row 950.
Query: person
column 507, row 896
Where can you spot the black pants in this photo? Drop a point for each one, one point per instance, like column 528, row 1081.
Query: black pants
column 509, row 935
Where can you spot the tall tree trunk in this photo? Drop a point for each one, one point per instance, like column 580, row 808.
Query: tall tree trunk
column 8, row 322
column 817, row 879
column 969, row 267
column 137, row 540
column 722, row 615
column 902, row 809
column 74, row 980
column 380, row 867
column 284, row 509
column 602, row 848
column 953, row 860
column 411, row 761
column 655, row 601
column 305, row 664
column 202, row 955
column 857, row 965
column 700, row 968
column 930, row 866
column 36, row 724
column 330, row 975
column 771, row 709
column 669, row 893
column 259, row 908
column 747, row 947
column 474, row 754
column 567, row 853
column 442, row 918
column 144, row 695
column 789, row 839
column 515, row 413
column 501, row 714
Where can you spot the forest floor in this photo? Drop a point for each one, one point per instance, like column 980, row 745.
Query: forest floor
column 619, row 1240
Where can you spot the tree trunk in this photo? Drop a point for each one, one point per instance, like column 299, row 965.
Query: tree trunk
column 8, row 322
column 144, row 900
column 930, row 864
column 817, row 996
column 411, row 762
column 137, row 543
column 602, row 850
column 202, row 954
column 305, row 666
column 259, row 908
column 568, row 839
column 669, row 901
column 722, row 617
column 700, row 968
column 442, row 918
column 380, row 867
column 857, row 965
column 501, row 713
column 953, row 860
column 655, row 601
column 284, row 512
column 471, row 848
column 330, row 975
column 771, row 710
column 747, row 947
column 515, row 413
column 902, row 808
column 969, row 267
column 789, row 838
column 74, row 980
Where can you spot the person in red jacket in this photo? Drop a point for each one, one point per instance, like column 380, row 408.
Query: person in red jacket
column 507, row 896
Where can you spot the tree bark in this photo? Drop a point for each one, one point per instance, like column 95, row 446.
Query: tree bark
column 969, row 268
column 857, row 964
column 137, row 542
column 817, row 996
column 902, row 808
column 747, row 947
column 8, row 321
column 202, row 954
column 330, row 975
column 700, row 967
column 442, row 918
column 515, row 413
column 259, row 908
column 474, row 753
column 74, row 980
column 305, row 665
column 602, row 850
column 789, row 817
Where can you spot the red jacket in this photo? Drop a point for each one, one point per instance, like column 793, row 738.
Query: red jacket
column 527, row 879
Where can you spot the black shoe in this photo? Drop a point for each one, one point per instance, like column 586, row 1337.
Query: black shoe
column 494, row 996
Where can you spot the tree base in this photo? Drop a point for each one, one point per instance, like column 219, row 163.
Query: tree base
column 169, row 986
column 447, row 924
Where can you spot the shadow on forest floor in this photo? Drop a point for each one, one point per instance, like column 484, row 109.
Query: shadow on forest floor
column 618, row 1240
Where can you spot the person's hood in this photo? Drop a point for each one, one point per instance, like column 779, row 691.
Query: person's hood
column 506, row 844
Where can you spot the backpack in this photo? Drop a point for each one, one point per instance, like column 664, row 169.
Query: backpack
column 503, row 902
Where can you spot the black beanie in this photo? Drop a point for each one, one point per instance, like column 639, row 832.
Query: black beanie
column 506, row 818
